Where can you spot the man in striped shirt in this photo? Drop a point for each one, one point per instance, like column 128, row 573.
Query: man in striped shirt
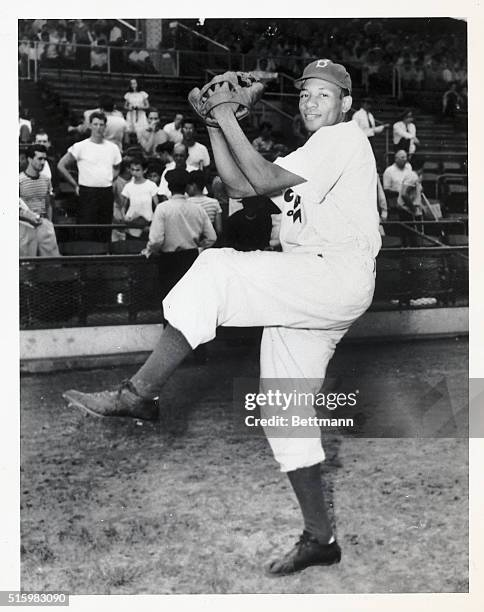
column 34, row 191
column 195, row 187
column 35, row 187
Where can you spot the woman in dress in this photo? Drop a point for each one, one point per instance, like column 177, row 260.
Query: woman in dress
column 136, row 103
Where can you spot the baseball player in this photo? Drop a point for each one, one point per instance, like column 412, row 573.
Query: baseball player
column 306, row 297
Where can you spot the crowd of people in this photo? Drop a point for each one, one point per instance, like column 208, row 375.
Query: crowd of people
column 423, row 55
column 127, row 159
column 426, row 55
column 125, row 164
column 155, row 180
column 130, row 170
column 81, row 43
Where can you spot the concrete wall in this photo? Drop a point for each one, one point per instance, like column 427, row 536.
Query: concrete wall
column 48, row 349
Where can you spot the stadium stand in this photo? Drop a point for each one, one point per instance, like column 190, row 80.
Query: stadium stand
column 106, row 282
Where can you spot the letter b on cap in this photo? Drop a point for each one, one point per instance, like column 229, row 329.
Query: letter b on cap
column 322, row 63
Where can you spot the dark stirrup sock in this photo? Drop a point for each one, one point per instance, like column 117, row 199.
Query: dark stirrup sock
column 308, row 487
column 170, row 350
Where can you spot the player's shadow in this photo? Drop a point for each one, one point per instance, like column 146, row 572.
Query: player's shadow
column 197, row 382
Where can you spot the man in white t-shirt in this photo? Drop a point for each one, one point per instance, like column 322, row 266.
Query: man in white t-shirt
column 174, row 129
column 98, row 163
column 306, row 297
column 138, row 198
column 198, row 155
column 393, row 178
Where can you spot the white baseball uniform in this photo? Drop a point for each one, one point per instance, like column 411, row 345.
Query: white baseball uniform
column 306, row 297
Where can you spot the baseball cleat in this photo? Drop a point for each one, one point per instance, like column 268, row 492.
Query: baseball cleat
column 124, row 402
column 307, row 552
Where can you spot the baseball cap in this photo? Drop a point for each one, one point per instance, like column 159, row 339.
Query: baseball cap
column 327, row 70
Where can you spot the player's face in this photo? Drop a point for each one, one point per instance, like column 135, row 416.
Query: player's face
column 321, row 104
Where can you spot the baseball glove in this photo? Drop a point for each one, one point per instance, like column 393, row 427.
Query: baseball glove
column 240, row 88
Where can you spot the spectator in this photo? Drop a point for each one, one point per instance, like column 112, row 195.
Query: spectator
column 198, row 155
column 103, row 99
column 174, row 129
column 196, row 185
column 98, row 163
column 42, row 138
column 116, row 126
column 53, row 39
column 139, row 59
column 408, row 75
column 409, row 201
column 405, row 133
column 84, row 40
column 35, row 192
column 139, row 198
column 153, row 173
column 119, row 209
column 34, row 188
column 179, row 163
column 179, row 230
column 115, row 33
column 263, row 144
column 447, row 74
column 99, row 55
column 249, row 229
column 165, row 153
column 451, row 102
column 366, row 121
column 393, row 179
column 24, row 126
column 152, row 135
column 136, row 103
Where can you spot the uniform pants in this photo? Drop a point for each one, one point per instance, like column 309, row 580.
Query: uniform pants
column 305, row 303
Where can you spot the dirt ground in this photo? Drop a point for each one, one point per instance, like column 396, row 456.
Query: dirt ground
column 190, row 505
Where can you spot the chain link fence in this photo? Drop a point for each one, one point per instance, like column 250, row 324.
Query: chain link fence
column 95, row 290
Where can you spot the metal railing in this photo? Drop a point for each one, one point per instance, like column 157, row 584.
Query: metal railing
column 73, row 291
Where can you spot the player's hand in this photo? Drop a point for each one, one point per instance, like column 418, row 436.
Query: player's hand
column 76, row 190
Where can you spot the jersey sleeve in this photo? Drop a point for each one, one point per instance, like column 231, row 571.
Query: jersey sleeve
column 322, row 159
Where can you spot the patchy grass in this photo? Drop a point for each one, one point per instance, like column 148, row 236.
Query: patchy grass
column 188, row 506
